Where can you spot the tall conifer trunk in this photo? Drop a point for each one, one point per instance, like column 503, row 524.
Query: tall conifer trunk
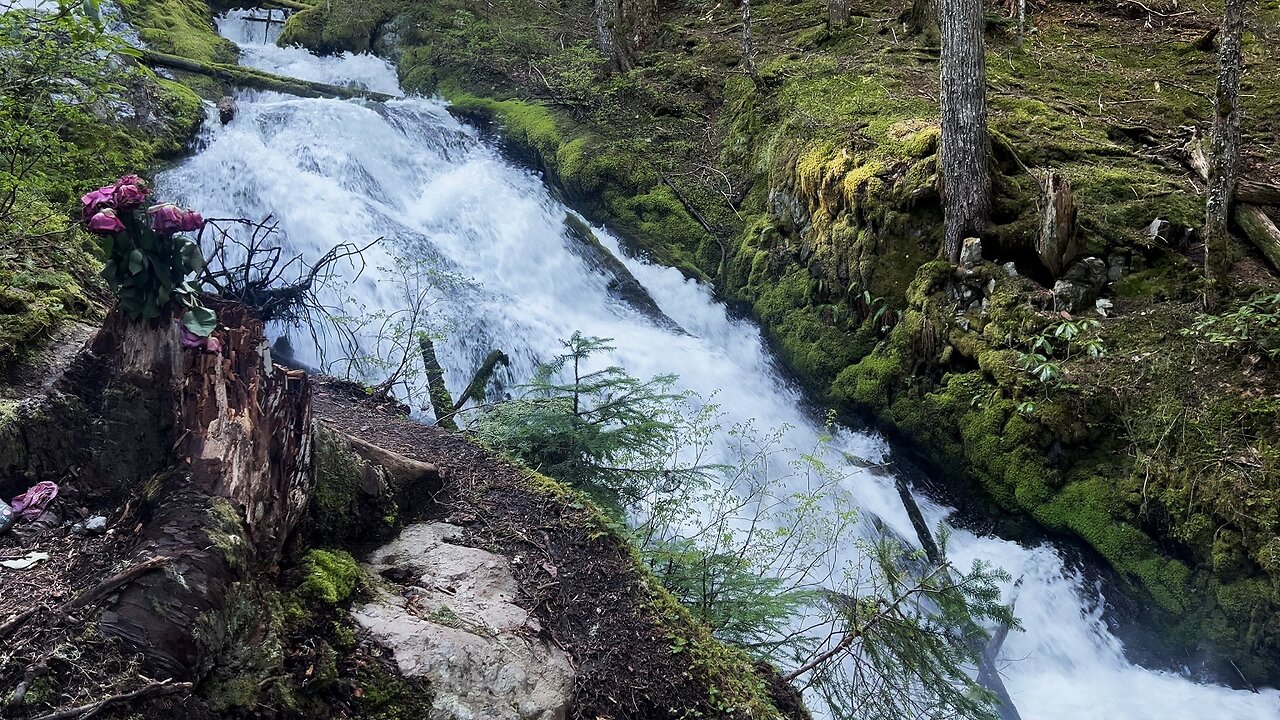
column 1225, row 156
column 966, row 176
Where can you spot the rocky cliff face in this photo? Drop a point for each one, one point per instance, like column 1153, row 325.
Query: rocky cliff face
column 808, row 193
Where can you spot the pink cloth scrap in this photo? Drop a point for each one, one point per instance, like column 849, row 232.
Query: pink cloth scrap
column 30, row 504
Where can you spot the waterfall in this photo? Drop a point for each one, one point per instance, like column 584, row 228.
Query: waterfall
column 338, row 171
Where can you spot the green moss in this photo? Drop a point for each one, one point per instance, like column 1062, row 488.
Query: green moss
column 352, row 499
column 183, row 28
column 240, row 645
column 329, row 576
column 337, row 27
column 227, row 533
column 387, row 695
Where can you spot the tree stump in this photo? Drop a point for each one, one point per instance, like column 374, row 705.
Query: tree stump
column 1057, row 243
column 220, row 503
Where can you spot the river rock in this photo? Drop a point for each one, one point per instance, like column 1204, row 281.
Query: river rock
column 226, row 109
column 456, row 624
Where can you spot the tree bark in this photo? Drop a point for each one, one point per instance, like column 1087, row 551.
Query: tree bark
column 966, row 177
column 837, row 13
column 923, row 19
column 624, row 28
column 748, row 47
column 221, row 502
column 1225, row 153
column 1057, row 243
column 437, row 390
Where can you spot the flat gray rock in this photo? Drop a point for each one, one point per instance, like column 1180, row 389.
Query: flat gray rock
column 455, row 623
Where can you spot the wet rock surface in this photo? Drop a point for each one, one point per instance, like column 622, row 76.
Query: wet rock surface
column 453, row 620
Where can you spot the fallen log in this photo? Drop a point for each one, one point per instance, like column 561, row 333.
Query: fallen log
column 404, row 471
column 287, row 4
column 1257, row 192
column 259, row 79
column 1249, row 196
column 1262, row 230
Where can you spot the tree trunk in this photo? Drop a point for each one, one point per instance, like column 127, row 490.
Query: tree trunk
column 219, row 501
column 1225, row 155
column 966, row 178
column 437, row 390
column 923, row 19
column 624, row 28
column 748, row 48
column 837, row 13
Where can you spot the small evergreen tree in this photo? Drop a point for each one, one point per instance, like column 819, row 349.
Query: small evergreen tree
column 754, row 544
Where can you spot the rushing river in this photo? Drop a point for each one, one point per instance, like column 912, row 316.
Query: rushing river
column 345, row 171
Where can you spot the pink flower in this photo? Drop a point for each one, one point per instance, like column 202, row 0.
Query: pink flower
column 209, row 344
column 129, row 192
column 105, row 222
column 192, row 221
column 167, row 219
column 96, row 200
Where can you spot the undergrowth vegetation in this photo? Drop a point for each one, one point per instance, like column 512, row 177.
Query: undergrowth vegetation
column 57, row 139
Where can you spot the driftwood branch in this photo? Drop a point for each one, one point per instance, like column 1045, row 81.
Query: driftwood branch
column 475, row 389
column 84, row 712
column 688, row 206
column 988, row 675
column 249, row 77
column 931, row 550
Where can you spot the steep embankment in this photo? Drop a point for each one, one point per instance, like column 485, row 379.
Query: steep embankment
column 808, row 192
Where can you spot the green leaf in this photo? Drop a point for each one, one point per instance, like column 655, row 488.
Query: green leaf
column 136, row 262
column 200, row 321
column 192, row 260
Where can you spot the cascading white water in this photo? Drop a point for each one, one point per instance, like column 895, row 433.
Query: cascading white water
column 334, row 171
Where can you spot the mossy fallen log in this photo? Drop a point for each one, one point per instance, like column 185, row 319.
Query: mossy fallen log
column 259, row 79
column 1261, row 231
column 1250, row 194
column 289, row 4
